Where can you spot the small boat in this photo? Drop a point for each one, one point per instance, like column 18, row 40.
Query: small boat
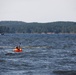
column 18, row 49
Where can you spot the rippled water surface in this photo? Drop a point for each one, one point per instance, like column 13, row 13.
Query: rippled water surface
column 43, row 54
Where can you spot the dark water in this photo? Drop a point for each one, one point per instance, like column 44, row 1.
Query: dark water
column 43, row 54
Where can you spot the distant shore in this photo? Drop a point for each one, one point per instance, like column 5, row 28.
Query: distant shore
column 41, row 28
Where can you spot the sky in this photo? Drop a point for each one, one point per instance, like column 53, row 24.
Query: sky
column 38, row 10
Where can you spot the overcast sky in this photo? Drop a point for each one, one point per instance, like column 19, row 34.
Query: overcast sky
column 38, row 10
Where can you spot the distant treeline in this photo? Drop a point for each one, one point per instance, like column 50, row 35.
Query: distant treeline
column 23, row 27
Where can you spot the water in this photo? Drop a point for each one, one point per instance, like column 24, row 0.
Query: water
column 43, row 54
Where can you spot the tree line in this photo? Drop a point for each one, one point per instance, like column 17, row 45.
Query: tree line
column 23, row 27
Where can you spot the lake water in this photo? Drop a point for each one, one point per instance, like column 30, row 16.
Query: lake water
column 43, row 54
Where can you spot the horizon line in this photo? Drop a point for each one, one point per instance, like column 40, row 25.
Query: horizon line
column 33, row 21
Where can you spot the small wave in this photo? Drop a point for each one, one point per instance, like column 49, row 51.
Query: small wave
column 65, row 72
column 37, row 46
column 9, row 54
column 2, row 60
column 6, row 47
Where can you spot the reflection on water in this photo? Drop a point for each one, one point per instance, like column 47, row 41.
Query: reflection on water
column 43, row 54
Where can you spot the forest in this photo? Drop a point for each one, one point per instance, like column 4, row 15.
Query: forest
column 34, row 27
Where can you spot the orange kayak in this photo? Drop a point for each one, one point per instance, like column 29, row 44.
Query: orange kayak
column 17, row 50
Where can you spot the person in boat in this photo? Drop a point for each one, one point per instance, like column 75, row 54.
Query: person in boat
column 18, row 49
